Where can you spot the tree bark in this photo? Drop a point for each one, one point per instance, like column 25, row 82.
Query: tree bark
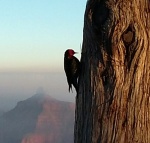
column 113, row 102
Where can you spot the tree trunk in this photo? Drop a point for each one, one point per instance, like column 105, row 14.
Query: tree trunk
column 113, row 102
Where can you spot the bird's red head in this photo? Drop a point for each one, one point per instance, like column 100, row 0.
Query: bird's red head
column 69, row 53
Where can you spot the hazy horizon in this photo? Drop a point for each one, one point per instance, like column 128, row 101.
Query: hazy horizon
column 17, row 86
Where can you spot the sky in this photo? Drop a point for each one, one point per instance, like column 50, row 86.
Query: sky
column 33, row 37
column 35, row 33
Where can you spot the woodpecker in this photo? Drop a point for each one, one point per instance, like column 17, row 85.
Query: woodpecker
column 71, row 67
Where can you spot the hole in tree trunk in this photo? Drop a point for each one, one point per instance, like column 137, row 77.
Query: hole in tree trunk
column 129, row 41
column 129, row 36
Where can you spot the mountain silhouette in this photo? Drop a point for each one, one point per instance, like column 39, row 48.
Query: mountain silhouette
column 39, row 119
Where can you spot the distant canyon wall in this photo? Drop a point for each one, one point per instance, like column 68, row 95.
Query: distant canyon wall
column 39, row 119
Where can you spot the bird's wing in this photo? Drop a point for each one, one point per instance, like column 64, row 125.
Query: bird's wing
column 67, row 65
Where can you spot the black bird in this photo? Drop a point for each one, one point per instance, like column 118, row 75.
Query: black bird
column 71, row 67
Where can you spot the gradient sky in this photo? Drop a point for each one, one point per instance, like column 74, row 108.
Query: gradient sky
column 33, row 37
column 35, row 33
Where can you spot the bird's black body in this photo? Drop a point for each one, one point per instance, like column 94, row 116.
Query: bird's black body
column 71, row 67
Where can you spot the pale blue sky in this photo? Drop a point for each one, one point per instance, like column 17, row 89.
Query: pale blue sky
column 35, row 33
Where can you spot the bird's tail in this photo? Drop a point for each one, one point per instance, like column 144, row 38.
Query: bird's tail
column 70, row 87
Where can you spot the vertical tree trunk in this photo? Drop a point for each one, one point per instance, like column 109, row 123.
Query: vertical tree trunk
column 113, row 103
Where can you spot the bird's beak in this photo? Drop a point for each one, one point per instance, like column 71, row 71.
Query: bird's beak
column 75, row 52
